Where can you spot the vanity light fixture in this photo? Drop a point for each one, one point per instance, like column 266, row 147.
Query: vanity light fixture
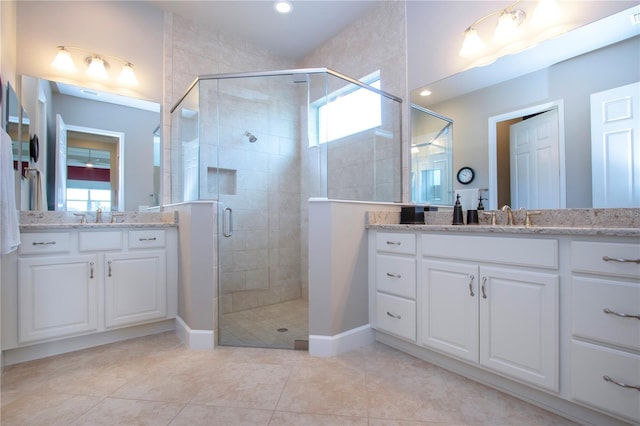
column 508, row 28
column 283, row 6
column 97, row 65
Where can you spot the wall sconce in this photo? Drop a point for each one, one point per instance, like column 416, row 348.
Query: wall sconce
column 97, row 65
column 508, row 26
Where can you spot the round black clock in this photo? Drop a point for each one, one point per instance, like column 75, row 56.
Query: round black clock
column 465, row 175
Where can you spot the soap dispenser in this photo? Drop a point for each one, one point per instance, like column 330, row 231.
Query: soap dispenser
column 457, row 212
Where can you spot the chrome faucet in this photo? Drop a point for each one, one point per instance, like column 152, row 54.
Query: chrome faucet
column 507, row 209
column 99, row 216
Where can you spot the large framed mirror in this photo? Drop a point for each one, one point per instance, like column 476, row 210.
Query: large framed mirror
column 597, row 57
column 102, row 148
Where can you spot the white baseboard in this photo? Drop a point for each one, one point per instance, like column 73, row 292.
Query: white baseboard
column 195, row 339
column 327, row 346
column 61, row 346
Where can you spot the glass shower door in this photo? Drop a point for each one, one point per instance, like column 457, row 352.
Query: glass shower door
column 258, row 183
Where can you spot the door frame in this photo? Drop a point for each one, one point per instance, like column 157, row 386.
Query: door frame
column 493, row 143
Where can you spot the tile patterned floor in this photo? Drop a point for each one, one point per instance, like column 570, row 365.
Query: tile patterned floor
column 155, row 380
column 259, row 327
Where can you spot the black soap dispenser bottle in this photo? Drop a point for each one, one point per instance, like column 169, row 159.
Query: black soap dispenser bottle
column 457, row 212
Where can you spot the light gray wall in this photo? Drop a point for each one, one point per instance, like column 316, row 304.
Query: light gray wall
column 572, row 81
column 137, row 125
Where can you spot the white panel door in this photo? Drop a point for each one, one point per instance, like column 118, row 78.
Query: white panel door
column 135, row 287
column 448, row 308
column 519, row 324
column 535, row 162
column 615, row 147
column 58, row 296
column 61, row 164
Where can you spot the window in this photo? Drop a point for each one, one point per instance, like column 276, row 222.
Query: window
column 88, row 199
column 349, row 112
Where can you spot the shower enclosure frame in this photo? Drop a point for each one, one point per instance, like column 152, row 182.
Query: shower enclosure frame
column 222, row 227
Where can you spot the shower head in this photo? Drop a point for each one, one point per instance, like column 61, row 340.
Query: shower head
column 251, row 137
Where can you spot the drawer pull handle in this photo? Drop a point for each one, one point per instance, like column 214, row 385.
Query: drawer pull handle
column 483, row 288
column 43, row 243
column 148, row 239
column 394, row 243
column 621, row 260
column 622, row 385
column 620, row 314
column 393, row 315
column 90, row 270
column 109, row 263
column 471, row 278
column 389, row 274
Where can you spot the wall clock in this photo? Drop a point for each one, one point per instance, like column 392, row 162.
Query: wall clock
column 465, row 175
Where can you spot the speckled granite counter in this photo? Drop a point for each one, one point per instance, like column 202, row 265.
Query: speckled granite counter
column 41, row 221
column 587, row 222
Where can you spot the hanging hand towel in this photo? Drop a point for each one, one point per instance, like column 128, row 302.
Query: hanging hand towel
column 9, row 228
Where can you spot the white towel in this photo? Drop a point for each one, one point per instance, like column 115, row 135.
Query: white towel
column 36, row 195
column 469, row 198
column 9, row 228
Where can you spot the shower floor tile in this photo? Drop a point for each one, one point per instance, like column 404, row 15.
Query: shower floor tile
column 260, row 327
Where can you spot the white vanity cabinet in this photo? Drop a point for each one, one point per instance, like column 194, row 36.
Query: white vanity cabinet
column 57, row 292
column 504, row 318
column 82, row 281
column 605, row 326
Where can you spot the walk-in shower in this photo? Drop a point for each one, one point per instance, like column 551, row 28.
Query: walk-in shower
column 260, row 145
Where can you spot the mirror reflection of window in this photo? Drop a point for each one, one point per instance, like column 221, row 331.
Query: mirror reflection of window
column 431, row 158
column 88, row 179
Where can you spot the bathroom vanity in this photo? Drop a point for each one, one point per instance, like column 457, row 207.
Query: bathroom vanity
column 548, row 314
column 78, row 285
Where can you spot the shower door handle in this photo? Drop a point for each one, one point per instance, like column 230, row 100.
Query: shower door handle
column 227, row 222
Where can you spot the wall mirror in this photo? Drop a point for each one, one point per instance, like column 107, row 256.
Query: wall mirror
column 102, row 148
column 594, row 58
column 11, row 122
column 431, row 157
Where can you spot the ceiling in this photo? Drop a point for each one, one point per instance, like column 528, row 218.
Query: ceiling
column 309, row 25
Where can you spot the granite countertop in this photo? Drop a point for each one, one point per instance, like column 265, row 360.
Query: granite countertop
column 31, row 221
column 577, row 222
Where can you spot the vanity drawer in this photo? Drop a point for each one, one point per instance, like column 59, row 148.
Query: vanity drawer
column 535, row 252
column 396, row 275
column 590, row 297
column 396, row 315
column 99, row 240
column 44, row 242
column 590, row 257
column 146, row 238
column 590, row 363
column 396, row 242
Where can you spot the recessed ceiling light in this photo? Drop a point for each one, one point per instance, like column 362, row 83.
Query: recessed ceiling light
column 282, row 6
column 425, row 93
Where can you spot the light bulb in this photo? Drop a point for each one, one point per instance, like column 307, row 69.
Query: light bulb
column 127, row 76
column 283, row 6
column 472, row 44
column 546, row 13
column 63, row 60
column 97, row 68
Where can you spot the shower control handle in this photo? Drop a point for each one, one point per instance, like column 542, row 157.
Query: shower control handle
column 227, row 222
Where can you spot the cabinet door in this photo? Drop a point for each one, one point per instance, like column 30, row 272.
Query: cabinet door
column 135, row 287
column 519, row 324
column 448, row 308
column 57, row 296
